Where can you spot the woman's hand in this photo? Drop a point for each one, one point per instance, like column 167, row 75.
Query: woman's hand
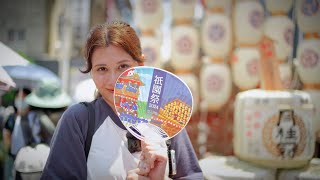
column 153, row 162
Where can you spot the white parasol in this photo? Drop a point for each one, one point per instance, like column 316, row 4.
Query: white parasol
column 30, row 75
column 5, row 80
column 9, row 57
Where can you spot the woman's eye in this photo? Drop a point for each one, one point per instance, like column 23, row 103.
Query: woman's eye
column 124, row 66
column 102, row 69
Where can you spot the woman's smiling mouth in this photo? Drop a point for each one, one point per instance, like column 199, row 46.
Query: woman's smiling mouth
column 111, row 90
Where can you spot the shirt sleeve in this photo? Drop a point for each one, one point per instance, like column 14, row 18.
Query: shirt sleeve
column 67, row 158
column 186, row 159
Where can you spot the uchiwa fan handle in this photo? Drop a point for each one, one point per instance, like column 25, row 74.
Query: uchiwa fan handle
column 269, row 66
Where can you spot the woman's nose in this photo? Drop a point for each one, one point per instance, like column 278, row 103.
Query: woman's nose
column 112, row 78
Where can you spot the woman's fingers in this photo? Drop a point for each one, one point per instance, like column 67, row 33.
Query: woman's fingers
column 135, row 174
column 151, row 155
column 149, row 146
column 144, row 168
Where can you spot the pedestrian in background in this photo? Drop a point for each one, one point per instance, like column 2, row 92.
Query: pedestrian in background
column 47, row 103
column 44, row 101
column 13, row 137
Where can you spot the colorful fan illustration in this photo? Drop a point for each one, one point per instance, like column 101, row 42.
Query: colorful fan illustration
column 152, row 103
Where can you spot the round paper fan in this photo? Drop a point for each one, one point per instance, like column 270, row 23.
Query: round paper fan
column 152, row 103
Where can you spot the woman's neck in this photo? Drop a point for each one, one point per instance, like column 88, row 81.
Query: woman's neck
column 111, row 104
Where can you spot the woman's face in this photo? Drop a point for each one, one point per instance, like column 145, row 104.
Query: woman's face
column 107, row 65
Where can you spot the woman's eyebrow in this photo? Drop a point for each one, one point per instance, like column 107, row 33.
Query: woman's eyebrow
column 119, row 62
column 123, row 61
column 97, row 65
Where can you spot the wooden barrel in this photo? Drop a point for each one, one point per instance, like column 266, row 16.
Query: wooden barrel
column 280, row 29
column 217, row 6
column 182, row 9
column 216, row 35
column 278, row 7
column 274, row 128
column 148, row 14
column 185, row 47
column 248, row 22
column 308, row 64
column 308, row 15
column 245, row 68
column 315, row 98
column 215, row 85
column 151, row 49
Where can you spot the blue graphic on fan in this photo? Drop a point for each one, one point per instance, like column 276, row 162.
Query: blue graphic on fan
column 132, row 119
column 152, row 98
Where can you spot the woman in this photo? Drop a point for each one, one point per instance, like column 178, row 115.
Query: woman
column 111, row 49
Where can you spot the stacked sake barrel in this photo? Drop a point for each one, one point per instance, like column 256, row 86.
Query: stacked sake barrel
column 148, row 18
column 216, row 42
column 185, row 45
column 248, row 21
column 215, row 76
column 308, row 53
column 273, row 127
column 280, row 29
column 185, row 56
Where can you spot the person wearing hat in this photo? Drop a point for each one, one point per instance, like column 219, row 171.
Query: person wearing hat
column 49, row 98
column 48, row 102
column 33, row 123
column 13, row 131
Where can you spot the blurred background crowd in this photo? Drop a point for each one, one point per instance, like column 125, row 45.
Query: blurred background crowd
column 212, row 45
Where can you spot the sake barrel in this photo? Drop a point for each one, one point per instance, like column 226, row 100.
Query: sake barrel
column 280, row 29
column 216, row 35
column 245, row 68
column 308, row 15
column 185, row 47
column 315, row 97
column 183, row 9
column 285, row 71
column 232, row 168
column 308, row 64
column 148, row 14
column 215, row 85
column 218, row 5
column 274, row 128
column 151, row 49
column 248, row 22
column 279, row 7
column 193, row 83
column 311, row 172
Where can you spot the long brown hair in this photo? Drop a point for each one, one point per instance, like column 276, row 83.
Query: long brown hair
column 115, row 33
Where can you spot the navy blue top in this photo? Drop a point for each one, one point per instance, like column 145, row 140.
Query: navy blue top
column 67, row 158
